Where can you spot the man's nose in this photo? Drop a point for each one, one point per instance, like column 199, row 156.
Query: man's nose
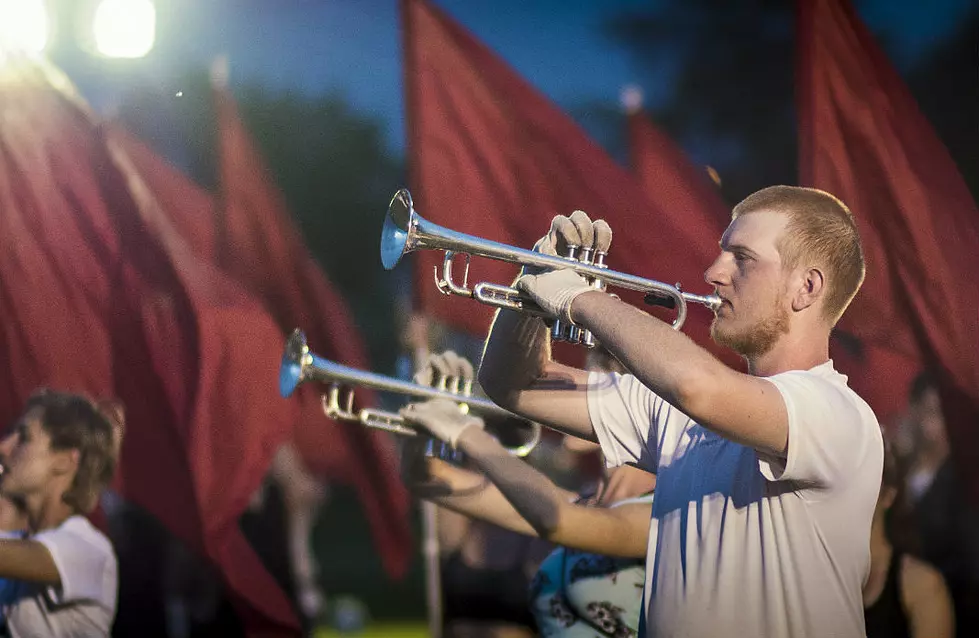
column 716, row 274
column 6, row 445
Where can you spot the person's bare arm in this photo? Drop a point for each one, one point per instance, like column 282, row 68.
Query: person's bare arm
column 740, row 407
column 550, row 512
column 517, row 373
column 517, row 370
column 926, row 598
column 28, row 560
column 471, row 494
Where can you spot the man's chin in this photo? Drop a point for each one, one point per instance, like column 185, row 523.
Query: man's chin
column 718, row 334
column 726, row 339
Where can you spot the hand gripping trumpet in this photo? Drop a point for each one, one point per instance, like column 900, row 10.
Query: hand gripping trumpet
column 406, row 231
column 299, row 365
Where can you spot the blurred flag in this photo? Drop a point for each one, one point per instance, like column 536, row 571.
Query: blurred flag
column 863, row 138
column 260, row 245
column 249, row 234
column 490, row 156
column 100, row 294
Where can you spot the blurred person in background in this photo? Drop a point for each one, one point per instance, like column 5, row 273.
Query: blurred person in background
column 591, row 585
column 61, row 574
column 904, row 597
column 279, row 523
column 924, row 423
column 945, row 521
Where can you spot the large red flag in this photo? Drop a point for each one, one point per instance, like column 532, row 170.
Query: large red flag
column 339, row 451
column 100, row 295
column 492, row 157
column 261, row 246
column 863, row 138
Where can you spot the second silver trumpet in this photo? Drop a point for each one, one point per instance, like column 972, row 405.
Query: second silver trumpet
column 299, row 365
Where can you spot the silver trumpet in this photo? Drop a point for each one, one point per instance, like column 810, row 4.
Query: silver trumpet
column 406, row 231
column 299, row 365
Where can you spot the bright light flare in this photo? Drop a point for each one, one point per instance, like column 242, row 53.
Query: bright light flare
column 24, row 26
column 124, row 28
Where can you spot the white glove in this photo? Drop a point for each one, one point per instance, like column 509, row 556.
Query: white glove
column 555, row 291
column 443, row 418
column 574, row 230
column 447, row 368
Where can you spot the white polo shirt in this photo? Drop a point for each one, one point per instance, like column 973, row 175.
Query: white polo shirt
column 740, row 546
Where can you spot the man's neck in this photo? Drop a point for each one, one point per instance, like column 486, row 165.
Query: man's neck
column 791, row 353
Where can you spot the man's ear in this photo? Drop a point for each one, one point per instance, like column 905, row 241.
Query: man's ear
column 810, row 289
column 66, row 461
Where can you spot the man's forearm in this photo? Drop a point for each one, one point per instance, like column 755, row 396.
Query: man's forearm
column 663, row 359
column 514, row 356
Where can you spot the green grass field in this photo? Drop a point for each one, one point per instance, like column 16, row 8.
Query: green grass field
column 395, row 630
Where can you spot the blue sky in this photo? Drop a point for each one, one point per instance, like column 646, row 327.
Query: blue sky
column 353, row 46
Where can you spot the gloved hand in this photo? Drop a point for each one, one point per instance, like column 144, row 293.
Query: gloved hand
column 442, row 418
column 555, row 291
column 447, row 371
column 577, row 230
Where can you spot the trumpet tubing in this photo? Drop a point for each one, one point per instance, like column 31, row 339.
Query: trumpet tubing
column 300, row 365
column 406, row 231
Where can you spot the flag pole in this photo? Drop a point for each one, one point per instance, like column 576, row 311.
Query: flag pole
column 418, row 344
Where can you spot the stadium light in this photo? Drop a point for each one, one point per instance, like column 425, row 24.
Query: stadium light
column 124, row 28
column 24, row 26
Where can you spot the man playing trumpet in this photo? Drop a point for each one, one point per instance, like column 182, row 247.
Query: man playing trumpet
column 766, row 481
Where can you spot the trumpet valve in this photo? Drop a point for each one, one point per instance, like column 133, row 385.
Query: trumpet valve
column 560, row 331
column 331, row 402
column 587, row 339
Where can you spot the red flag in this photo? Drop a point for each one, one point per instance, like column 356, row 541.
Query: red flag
column 261, row 246
column 863, row 138
column 340, row 451
column 681, row 191
column 490, row 156
column 100, row 295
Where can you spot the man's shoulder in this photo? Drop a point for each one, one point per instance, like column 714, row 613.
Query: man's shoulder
column 827, row 386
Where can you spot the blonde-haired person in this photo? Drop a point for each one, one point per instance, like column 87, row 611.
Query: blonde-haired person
column 62, row 574
column 766, row 480
column 591, row 584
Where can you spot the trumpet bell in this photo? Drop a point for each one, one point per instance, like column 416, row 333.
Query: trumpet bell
column 293, row 367
column 396, row 234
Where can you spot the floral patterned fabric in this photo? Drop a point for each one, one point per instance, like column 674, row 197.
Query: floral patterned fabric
column 581, row 595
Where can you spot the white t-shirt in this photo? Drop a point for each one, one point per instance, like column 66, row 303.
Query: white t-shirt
column 85, row 603
column 740, row 546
